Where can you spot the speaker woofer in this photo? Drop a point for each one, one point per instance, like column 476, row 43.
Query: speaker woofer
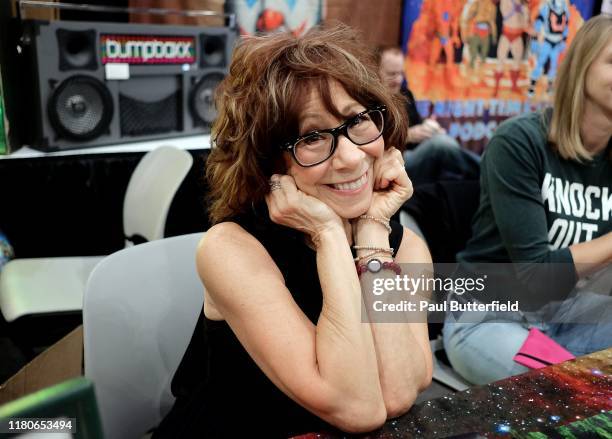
column 80, row 108
column 202, row 99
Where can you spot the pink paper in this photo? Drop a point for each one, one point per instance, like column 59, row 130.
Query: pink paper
column 540, row 351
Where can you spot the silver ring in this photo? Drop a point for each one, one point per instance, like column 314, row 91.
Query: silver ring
column 274, row 185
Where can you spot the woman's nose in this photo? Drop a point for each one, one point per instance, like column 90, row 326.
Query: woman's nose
column 347, row 153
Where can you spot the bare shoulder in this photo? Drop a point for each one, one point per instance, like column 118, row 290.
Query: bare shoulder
column 229, row 244
column 229, row 259
column 413, row 249
column 224, row 236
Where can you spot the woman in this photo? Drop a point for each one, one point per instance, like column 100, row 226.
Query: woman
column 302, row 170
column 545, row 200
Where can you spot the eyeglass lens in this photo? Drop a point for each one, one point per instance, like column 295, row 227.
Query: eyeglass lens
column 319, row 146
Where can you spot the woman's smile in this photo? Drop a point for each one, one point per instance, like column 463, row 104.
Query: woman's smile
column 351, row 187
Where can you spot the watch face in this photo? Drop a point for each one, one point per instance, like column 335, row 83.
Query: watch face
column 374, row 266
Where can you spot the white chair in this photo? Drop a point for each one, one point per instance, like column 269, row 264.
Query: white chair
column 140, row 307
column 45, row 286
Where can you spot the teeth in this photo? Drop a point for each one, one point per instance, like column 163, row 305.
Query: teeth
column 352, row 185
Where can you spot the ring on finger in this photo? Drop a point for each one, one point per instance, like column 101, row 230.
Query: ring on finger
column 274, row 185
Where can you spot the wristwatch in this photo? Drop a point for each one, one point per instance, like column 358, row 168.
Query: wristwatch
column 375, row 265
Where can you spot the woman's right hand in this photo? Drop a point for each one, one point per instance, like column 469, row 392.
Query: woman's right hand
column 293, row 208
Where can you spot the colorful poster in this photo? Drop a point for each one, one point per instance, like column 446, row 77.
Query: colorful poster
column 473, row 63
column 264, row 16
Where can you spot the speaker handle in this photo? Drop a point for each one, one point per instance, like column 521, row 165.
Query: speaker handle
column 23, row 4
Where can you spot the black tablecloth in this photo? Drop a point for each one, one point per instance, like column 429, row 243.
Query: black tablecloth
column 72, row 205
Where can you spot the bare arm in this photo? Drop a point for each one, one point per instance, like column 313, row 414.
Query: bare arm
column 402, row 349
column 331, row 368
column 591, row 255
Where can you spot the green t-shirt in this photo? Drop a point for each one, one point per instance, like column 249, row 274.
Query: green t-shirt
column 534, row 204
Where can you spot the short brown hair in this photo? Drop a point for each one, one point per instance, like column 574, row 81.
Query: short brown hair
column 259, row 105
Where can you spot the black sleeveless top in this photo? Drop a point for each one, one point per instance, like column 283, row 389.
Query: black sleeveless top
column 220, row 391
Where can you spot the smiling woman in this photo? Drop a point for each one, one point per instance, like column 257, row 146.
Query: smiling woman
column 302, row 170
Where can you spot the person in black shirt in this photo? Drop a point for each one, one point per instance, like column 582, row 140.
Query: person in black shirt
column 303, row 170
column 431, row 154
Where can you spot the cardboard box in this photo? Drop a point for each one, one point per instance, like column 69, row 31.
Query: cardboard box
column 61, row 361
column 38, row 13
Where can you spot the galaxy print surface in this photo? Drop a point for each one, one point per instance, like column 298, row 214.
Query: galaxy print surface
column 598, row 426
column 538, row 404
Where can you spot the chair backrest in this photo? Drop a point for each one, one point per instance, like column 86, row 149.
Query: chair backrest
column 140, row 308
column 150, row 191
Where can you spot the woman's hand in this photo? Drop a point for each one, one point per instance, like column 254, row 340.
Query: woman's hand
column 293, row 208
column 392, row 187
column 424, row 131
column 419, row 133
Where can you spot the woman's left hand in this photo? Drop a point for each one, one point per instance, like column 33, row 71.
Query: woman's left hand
column 392, row 187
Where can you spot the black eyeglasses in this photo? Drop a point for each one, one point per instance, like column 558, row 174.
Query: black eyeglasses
column 315, row 147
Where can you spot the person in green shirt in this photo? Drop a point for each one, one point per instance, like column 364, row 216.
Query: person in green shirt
column 546, row 200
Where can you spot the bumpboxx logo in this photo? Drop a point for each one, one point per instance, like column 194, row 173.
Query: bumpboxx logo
column 147, row 49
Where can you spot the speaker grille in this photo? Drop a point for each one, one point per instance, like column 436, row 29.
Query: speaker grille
column 80, row 108
column 138, row 118
column 201, row 99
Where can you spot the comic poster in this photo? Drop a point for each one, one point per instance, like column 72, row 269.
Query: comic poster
column 473, row 63
column 264, row 16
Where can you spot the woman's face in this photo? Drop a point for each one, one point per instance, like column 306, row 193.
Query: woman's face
column 598, row 85
column 345, row 181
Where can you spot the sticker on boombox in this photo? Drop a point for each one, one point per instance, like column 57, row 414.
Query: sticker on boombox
column 147, row 49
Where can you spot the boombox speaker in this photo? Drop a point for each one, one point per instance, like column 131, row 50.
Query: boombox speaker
column 96, row 84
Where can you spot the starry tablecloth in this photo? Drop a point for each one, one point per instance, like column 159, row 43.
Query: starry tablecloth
column 538, row 404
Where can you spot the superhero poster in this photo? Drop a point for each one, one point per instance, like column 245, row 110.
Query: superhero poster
column 473, row 63
column 265, row 16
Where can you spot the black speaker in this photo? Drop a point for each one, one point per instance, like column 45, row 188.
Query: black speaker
column 80, row 108
column 94, row 84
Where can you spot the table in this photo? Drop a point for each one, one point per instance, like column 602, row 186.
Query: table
column 544, row 401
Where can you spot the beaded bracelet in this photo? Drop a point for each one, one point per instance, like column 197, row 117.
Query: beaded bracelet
column 383, row 221
column 375, row 265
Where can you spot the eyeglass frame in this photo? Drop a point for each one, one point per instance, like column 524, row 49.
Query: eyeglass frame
column 335, row 132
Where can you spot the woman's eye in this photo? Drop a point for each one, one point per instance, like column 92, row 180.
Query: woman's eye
column 359, row 119
column 313, row 139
